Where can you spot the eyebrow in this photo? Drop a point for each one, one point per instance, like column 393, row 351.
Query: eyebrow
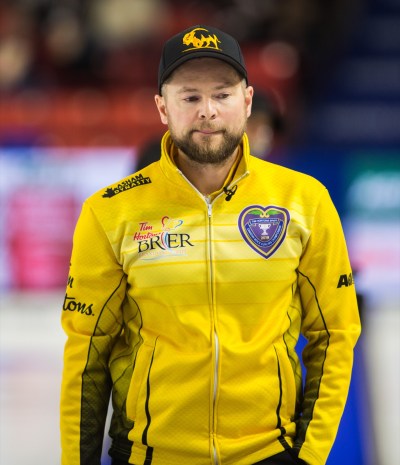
column 187, row 89
column 219, row 87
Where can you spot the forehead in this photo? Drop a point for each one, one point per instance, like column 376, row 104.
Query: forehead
column 205, row 69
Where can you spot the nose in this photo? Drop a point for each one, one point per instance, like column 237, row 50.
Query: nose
column 207, row 110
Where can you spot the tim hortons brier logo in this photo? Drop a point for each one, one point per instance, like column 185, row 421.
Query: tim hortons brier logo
column 264, row 228
column 165, row 240
column 192, row 38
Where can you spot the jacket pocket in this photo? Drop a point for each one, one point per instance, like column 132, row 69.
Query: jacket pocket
column 137, row 386
column 287, row 383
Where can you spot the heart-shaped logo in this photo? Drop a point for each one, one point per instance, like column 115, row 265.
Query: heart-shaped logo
column 264, row 228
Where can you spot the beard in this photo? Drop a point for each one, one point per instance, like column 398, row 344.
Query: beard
column 208, row 151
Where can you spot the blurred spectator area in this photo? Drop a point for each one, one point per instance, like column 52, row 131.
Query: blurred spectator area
column 84, row 73
column 121, row 114
column 78, row 117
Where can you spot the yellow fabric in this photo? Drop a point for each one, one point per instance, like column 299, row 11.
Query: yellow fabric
column 172, row 308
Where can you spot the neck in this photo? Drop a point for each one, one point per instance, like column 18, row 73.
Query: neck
column 207, row 178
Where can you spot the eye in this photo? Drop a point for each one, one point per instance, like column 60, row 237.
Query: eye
column 223, row 95
column 191, row 99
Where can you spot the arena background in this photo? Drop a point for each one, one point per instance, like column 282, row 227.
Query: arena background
column 77, row 80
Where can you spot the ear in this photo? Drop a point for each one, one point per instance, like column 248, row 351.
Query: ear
column 161, row 107
column 249, row 92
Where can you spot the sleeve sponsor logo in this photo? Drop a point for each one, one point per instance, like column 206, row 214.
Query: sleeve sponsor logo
column 72, row 305
column 264, row 228
column 126, row 185
column 345, row 280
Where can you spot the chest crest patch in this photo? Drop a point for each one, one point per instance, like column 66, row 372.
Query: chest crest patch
column 264, row 228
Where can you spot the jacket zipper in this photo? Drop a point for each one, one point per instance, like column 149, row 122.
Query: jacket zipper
column 216, row 341
column 216, row 380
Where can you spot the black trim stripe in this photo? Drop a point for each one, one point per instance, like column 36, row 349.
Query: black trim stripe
column 283, row 441
column 90, row 422
column 281, row 438
column 316, row 300
column 278, row 408
column 149, row 452
column 307, row 417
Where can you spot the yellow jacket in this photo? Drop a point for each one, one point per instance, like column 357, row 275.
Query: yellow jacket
column 188, row 310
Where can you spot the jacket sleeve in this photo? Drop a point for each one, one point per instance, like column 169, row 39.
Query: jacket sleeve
column 331, row 326
column 91, row 319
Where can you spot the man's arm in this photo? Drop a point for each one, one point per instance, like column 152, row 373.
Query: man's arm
column 92, row 319
column 331, row 326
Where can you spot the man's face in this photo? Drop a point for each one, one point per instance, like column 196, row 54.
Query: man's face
column 206, row 105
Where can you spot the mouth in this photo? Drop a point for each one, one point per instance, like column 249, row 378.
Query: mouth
column 208, row 132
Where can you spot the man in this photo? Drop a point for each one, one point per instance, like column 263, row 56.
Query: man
column 190, row 282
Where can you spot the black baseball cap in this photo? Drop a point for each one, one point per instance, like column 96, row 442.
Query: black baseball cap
column 196, row 42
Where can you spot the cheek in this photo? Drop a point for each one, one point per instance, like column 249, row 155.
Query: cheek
column 239, row 117
column 180, row 120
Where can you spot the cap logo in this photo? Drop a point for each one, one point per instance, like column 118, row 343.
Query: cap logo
column 191, row 38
